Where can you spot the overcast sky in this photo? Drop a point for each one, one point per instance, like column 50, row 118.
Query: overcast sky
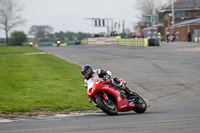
column 69, row 15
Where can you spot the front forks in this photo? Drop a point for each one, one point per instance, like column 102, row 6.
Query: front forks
column 105, row 96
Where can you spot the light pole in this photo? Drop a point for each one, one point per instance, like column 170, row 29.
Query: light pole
column 173, row 17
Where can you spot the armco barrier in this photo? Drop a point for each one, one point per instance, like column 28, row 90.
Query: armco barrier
column 110, row 40
column 84, row 41
column 141, row 42
column 102, row 41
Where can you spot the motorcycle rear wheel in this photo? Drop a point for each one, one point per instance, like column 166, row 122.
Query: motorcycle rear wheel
column 140, row 104
column 108, row 107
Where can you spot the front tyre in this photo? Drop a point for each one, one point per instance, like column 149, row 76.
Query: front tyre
column 108, row 107
column 140, row 104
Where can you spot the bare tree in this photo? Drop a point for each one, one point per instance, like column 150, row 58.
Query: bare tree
column 127, row 30
column 10, row 15
column 148, row 6
column 169, row 2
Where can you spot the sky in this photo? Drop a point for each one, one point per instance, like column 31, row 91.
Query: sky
column 70, row 15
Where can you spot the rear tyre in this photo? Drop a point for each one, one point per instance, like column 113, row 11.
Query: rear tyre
column 140, row 104
column 109, row 107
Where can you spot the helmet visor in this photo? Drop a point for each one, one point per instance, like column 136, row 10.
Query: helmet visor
column 87, row 73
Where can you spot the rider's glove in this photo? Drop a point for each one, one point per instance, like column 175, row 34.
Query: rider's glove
column 102, row 73
column 107, row 77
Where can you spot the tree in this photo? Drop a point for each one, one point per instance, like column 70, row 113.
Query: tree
column 169, row 2
column 40, row 31
column 81, row 35
column 61, row 35
column 148, row 6
column 50, row 37
column 10, row 15
column 71, row 35
column 17, row 38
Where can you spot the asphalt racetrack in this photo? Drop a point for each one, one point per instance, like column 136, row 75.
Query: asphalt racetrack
column 168, row 77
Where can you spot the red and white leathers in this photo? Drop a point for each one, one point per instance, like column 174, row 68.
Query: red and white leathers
column 102, row 73
column 96, row 73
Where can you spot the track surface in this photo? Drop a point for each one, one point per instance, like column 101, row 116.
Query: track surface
column 167, row 76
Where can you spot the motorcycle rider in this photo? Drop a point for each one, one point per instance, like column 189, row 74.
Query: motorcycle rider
column 58, row 42
column 90, row 75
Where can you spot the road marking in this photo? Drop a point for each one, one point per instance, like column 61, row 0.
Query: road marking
column 5, row 120
column 37, row 53
column 190, row 49
column 54, row 117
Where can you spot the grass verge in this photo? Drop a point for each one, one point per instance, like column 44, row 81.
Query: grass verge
column 31, row 82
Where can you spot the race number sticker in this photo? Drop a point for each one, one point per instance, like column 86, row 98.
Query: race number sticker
column 132, row 104
column 119, row 98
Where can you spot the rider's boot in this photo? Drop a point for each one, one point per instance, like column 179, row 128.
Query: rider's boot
column 116, row 82
column 128, row 92
column 126, row 89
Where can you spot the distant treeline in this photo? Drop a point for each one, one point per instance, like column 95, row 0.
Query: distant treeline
column 64, row 36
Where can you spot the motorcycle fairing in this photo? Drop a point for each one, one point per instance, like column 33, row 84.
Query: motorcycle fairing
column 122, row 103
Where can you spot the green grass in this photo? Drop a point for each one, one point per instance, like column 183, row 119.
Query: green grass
column 17, row 50
column 42, row 43
column 39, row 82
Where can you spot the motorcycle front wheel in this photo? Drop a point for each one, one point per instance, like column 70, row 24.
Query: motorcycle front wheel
column 109, row 107
column 140, row 104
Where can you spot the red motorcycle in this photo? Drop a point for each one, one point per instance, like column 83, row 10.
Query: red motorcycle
column 111, row 99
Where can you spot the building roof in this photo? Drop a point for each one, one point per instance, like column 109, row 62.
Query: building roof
column 180, row 4
column 153, row 27
column 186, row 22
column 150, row 15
